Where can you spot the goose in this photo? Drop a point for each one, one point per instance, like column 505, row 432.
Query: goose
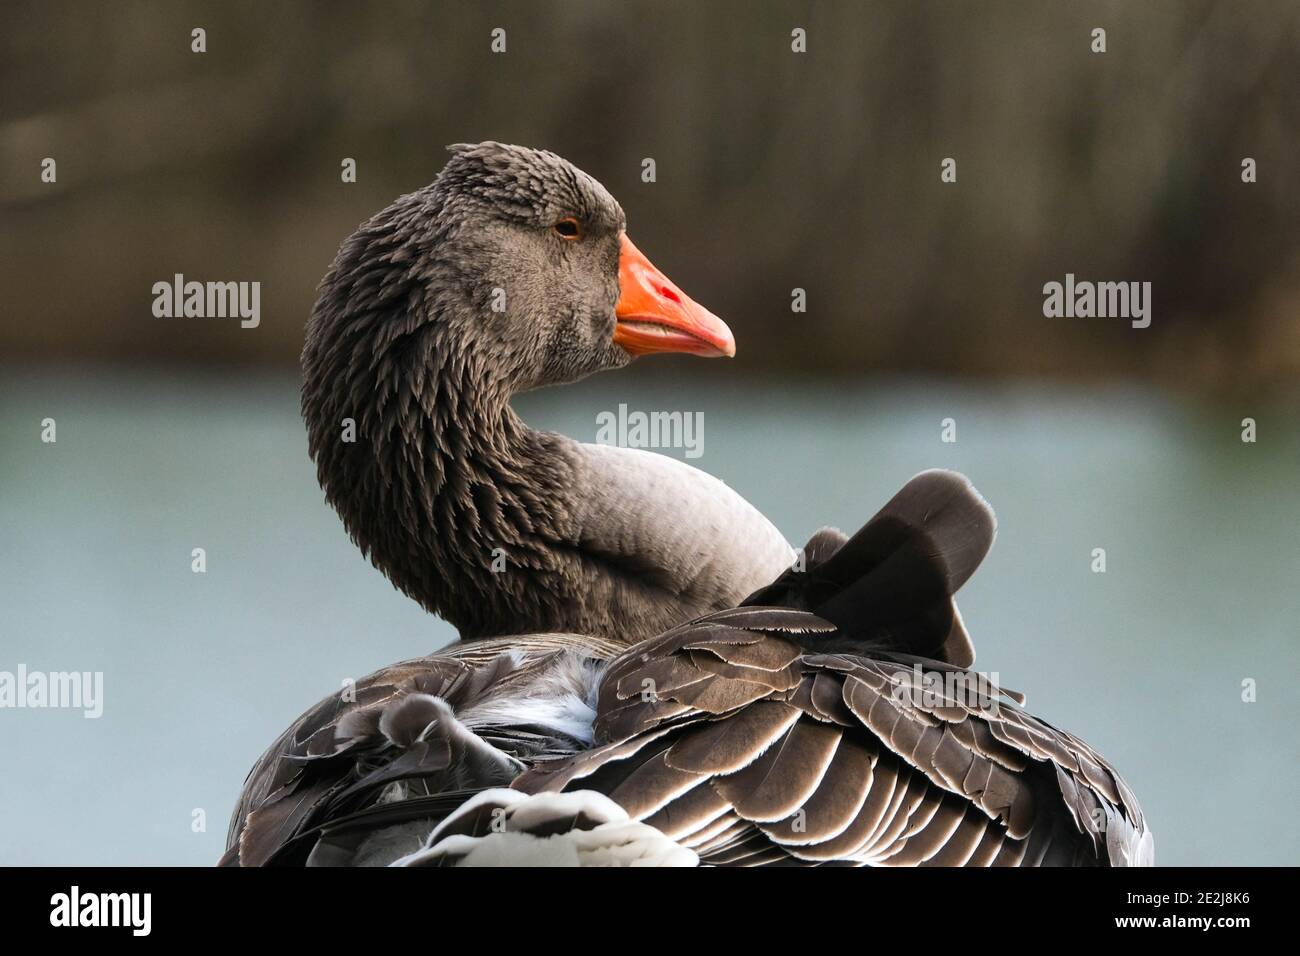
column 656, row 677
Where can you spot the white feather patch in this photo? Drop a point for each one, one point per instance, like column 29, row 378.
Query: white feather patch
column 617, row 841
column 560, row 698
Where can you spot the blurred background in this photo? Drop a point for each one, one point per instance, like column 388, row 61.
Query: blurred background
column 775, row 171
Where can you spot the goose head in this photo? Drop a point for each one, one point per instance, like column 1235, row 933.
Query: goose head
column 555, row 288
column 514, row 262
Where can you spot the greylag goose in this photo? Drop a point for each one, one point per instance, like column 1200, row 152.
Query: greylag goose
column 654, row 679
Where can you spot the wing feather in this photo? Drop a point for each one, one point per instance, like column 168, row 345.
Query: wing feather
column 840, row 757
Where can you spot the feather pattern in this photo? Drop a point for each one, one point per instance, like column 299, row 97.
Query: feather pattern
column 796, row 726
column 884, row 775
column 758, row 735
column 831, row 718
column 407, row 733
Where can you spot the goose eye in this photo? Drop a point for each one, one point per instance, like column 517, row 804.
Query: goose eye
column 568, row 229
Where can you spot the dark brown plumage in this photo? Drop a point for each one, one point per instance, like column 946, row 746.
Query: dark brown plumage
column 798, row 724
column 750, row 748
column 753, row 736
column 432, row 316
column 317, row 793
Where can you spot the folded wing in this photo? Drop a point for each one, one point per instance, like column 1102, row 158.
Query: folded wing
column 730, row 737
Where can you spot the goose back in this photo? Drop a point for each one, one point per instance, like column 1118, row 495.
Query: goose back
column 757, row 735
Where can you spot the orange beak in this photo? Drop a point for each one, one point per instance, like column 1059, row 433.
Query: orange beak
column 656, row 316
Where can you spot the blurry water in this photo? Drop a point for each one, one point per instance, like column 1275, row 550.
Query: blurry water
column 203, row 670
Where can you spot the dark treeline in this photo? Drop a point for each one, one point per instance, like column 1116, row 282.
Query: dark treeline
column 775, row 170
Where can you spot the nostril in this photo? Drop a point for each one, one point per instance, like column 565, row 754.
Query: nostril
column 670, row 295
